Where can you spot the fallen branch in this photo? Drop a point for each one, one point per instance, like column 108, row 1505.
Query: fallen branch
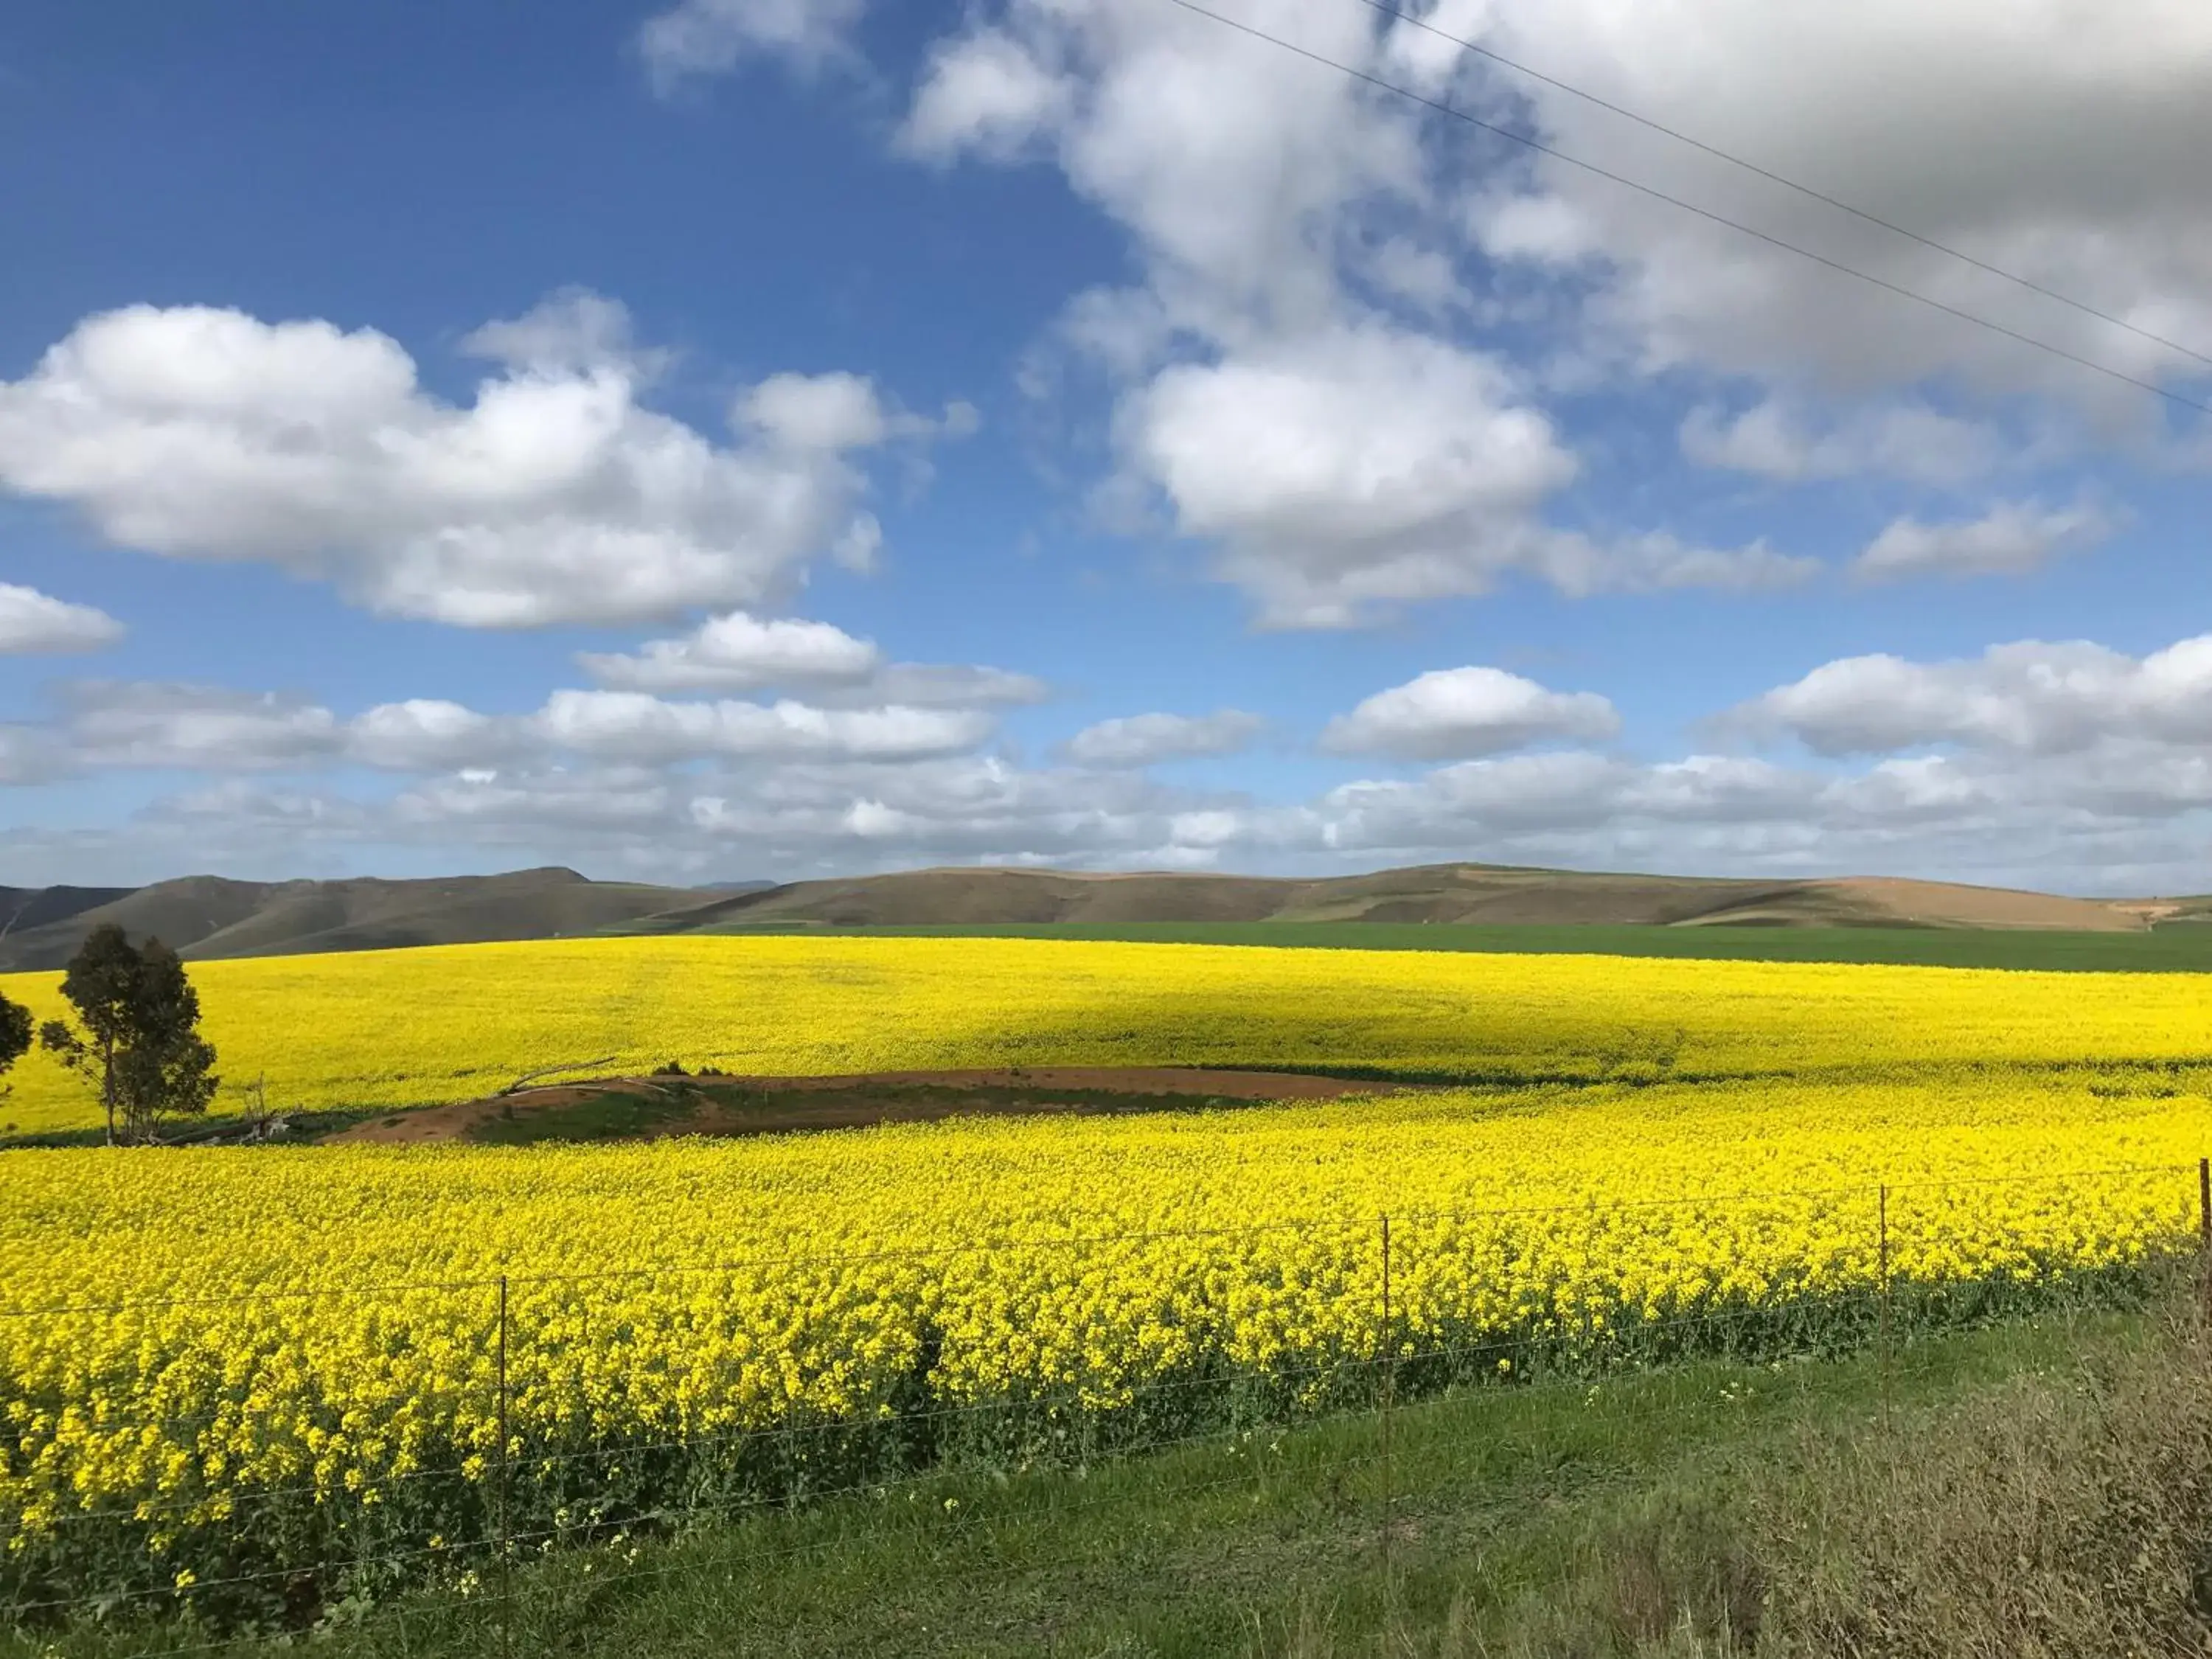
column 573, row 1066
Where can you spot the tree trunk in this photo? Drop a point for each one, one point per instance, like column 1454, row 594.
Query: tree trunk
column 108, row 1086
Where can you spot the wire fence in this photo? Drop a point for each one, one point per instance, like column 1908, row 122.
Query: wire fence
column 476, row 1456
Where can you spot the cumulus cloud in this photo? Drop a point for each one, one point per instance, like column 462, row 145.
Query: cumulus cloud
column 1452, row 712
column 1656, row 562
column 742, row 653
column 28, row 755
column 573, row 332
column 2031, row 698
column 555, row 496
column 984, row 91
column 1143, row 739
column 1294, row 390
column 2036, row 179
column 634, row 725
column 2012, row 538
column 1356, row 466
column 711, row 37
column 939, row 685
column 2090, row 825
column 979, row 808
column 1338, row 462
column 215, row 730
column 806, row 412
column 34, row 622
column 1315, row 256
column 430, row 734
column 739, row 652
column 2123, row 813
column 1773, row 440
column 139, row 724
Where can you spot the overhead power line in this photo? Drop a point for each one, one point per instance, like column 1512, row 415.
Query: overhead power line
column 1591, row 98
column 1593, row 168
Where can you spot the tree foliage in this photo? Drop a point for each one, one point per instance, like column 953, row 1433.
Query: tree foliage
column 14, row 1033
column 138, row 1034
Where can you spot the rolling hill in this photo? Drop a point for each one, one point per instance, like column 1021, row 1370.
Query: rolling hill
column 208, row 916
column 1489, row 895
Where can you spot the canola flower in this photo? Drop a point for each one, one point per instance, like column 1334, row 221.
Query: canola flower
column 695, row 1292
column 230, row 1356
column 452, row 1022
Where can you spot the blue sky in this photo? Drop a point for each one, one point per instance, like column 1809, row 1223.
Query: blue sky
column 452, row 437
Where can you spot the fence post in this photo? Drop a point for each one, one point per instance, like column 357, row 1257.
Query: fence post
column 1389, row 1347
column 1881, row 1223
column 506, row 1551
column 2204, row 1233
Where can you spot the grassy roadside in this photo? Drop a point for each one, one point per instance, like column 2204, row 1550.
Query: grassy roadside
column 1589, row 1517
column 2183, row 947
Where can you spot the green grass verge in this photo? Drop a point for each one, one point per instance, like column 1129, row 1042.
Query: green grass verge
column 1322, row 1538
column 303, row 1128
column 609, row 1116
column 2182, row 948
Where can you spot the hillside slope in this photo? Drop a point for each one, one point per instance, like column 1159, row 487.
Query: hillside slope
column 207, row 916
column 23, row 909
column 1489, row 894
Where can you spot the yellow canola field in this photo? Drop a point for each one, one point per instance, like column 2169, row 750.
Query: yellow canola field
column 450, row 1023
column 676, row 1290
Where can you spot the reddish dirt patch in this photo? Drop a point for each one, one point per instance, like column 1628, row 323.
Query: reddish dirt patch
column 649, row 1108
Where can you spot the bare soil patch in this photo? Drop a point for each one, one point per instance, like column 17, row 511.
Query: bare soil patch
column 648, row 1107
column 1950, row 904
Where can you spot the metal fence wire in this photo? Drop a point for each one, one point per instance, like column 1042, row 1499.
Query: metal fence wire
column 587, row 1419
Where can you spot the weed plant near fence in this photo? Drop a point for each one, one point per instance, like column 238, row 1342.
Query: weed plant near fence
column 280, row 1460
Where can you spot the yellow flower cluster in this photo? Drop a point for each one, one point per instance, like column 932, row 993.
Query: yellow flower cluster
column 416, row 1027
column 678, row 1291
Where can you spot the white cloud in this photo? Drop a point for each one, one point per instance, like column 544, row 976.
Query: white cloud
column 1339, row 461
column 2012, row 538
column 28, row 755
column 1452, row 712
column 1309, row 245
column 1656, row 562
column 982, row 91
column 2070, row 154
column 554, row 497
column 742, row 653
column 809, row 412
column 2032, row 697
column 1144, row 740
column 634, row 727
column 957, row 809
column 427, row 734
column 214, row 730
column 1775, row 440
column 137, row 724
column 34, row 622
column 1360, row 466
column 710, row 37
column 739, row 652
column 573, row 332
column 2122, row 812
column 939, row 685
column 1465, row 802
column 2086, row 824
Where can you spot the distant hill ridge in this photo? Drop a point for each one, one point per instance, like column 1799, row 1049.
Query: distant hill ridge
column 207, row 917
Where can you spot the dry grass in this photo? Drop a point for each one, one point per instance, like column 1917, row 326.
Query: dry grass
column 2064, row 1513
